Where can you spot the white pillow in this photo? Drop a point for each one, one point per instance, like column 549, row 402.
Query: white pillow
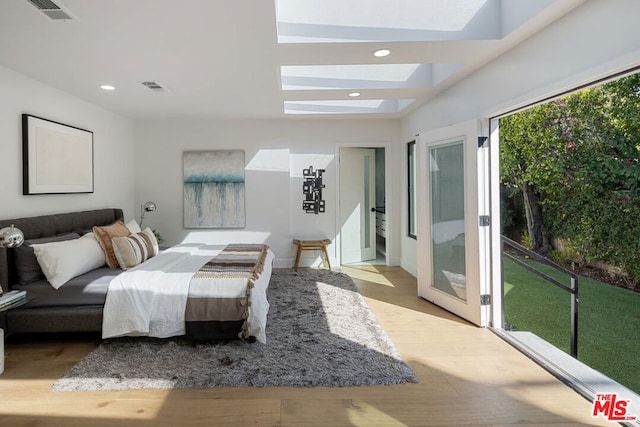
column 133, row 226
column 62, row 261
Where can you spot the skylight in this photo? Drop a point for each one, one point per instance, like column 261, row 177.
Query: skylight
column 329, row 86
column 308, row 21
column 347, row 106
column 367, row 76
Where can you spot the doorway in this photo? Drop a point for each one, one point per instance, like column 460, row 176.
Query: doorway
column 362, row 201
column 453, row 237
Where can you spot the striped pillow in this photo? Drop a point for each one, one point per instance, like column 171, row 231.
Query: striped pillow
column 135, row 249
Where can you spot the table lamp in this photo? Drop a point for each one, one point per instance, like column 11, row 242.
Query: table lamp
column 10, row 237
column 147, row 207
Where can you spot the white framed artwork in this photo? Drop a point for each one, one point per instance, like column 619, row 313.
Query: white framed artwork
column 56, row 158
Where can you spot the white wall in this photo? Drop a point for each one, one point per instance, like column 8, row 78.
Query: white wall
column 276, row 151
column 112, row 142
column 594, row 40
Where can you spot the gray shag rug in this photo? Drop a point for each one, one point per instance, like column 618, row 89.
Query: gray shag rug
column 320, row 333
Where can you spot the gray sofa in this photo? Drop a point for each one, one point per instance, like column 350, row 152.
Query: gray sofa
column 76, row 306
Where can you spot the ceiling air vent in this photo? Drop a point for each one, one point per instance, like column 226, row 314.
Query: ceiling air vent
column 51, row 9
column 155, row 86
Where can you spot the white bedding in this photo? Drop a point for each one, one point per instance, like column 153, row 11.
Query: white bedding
column 150, row 299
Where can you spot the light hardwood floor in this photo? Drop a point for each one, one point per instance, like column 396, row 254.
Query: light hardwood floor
column 468, row 376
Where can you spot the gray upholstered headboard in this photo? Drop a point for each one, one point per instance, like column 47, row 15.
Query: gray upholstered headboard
column 52, row 225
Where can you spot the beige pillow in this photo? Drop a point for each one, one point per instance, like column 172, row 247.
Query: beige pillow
column 105, row 234
column 135, row 249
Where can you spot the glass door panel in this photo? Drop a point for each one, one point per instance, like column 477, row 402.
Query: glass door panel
column 447, row 219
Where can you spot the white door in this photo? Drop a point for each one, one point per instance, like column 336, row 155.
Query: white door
column 357, row 204
column 452, row 255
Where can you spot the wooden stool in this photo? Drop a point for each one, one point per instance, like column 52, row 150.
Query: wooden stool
column 304, row 245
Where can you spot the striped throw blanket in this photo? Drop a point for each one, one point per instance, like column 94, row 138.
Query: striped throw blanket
column 220, row 293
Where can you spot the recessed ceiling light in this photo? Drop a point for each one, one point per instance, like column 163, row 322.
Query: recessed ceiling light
column 381, row 53
column 354, row 94
column 107, row 87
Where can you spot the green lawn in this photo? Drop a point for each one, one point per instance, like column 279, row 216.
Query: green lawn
column 608, row 319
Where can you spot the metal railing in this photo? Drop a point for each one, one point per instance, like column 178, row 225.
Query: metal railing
column 573, row 289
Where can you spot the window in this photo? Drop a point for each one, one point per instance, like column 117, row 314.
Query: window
column 411, row 185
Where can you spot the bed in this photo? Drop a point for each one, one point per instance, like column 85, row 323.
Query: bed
column 78, row 305
column 200, row 291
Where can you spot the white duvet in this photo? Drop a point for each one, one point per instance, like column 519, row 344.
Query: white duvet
column 150, row 299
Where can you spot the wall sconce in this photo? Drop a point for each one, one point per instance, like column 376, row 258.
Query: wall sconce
column 312, row 189
column 147, row 207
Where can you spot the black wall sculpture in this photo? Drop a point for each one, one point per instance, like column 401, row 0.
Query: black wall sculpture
column 312, row 189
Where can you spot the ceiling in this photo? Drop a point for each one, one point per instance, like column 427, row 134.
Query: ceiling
column 263, row 58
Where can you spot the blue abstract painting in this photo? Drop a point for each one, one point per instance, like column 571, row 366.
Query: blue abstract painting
column 214, row 189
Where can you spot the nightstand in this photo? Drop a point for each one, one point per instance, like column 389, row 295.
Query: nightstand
column 3, row 324
column 1, row 351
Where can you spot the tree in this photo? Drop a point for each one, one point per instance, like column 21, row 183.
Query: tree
column 574, row 158
column 531, row 148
